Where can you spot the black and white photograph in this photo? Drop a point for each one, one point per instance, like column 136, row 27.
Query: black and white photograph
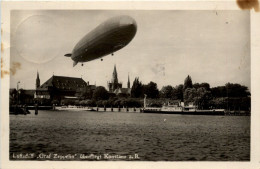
column 137, row 85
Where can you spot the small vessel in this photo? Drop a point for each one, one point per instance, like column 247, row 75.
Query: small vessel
column 74, row 108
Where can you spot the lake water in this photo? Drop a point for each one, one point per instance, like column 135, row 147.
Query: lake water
column 66, row 135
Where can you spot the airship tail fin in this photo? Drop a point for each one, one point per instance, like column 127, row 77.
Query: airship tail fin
column 68, row 55
column 75, row 63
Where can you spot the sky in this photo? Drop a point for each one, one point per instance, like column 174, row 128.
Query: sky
column 210, row 46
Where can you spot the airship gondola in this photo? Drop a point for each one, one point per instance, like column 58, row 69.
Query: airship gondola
column 107, row 38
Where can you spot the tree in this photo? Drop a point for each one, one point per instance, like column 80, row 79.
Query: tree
column 82, row 103
column 236, row 90
column 137, row 89
column 105, row 103
column 219, row 91
column 245, row 103
column 190, row 95
column 90, row 103
column 151, row 90
column 198, row 85
column 187, row 83
column 178, row 92
column 218, row 103
column 130, row 102
column 116, row 103
column 100, row 93
column 230, row 90
column 205, row 85
column 199, row 97
column 111, row 101
column 203, row 98
column 84, row 93
column 166, row 92
column 99, row 103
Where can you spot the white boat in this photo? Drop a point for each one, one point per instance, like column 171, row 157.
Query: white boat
column 74, row 108
column 178, row 109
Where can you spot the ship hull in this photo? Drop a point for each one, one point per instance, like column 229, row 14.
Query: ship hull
column 197, row 112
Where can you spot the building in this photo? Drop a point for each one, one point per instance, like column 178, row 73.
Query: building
column 59, row 88
column 38, row 82
column 21, row 96
column 115, row 87
column 123, row 92
column 128, row 82
column 114, row 84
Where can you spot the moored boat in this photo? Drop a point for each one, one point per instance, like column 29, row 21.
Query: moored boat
column 74, row 108
column 184, row 112
column 180, row 109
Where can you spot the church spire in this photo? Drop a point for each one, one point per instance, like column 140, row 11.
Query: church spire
column 128, row 82
column 113, row 85
column 114, row 78
column 38, row 83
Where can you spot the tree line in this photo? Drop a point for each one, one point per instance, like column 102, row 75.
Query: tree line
column 230, row 96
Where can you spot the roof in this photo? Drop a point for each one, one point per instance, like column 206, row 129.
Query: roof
column 29, row 92
column 93, row 87
column 123, row 91
column 63, row 83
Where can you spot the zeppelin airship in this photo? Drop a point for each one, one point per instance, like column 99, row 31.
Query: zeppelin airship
column 110, row 36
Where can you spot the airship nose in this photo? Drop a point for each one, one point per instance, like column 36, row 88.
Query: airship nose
column 127, row 21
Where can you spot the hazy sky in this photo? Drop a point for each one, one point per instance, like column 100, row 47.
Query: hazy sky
column 210, row 46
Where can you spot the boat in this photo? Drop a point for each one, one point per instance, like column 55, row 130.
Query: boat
column 74, row 108
column 180, row 109
column 170, row 110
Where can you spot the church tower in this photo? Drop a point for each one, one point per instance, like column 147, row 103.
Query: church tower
column 114, row 76
column 114, row 84
column 37, row 80
column 128, row 82
column 114, row 79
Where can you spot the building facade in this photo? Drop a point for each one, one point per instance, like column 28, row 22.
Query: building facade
column 58, row 88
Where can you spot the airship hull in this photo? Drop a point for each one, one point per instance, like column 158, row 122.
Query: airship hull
column 107, row 38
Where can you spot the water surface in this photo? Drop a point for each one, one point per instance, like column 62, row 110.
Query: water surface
column 153, row 137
